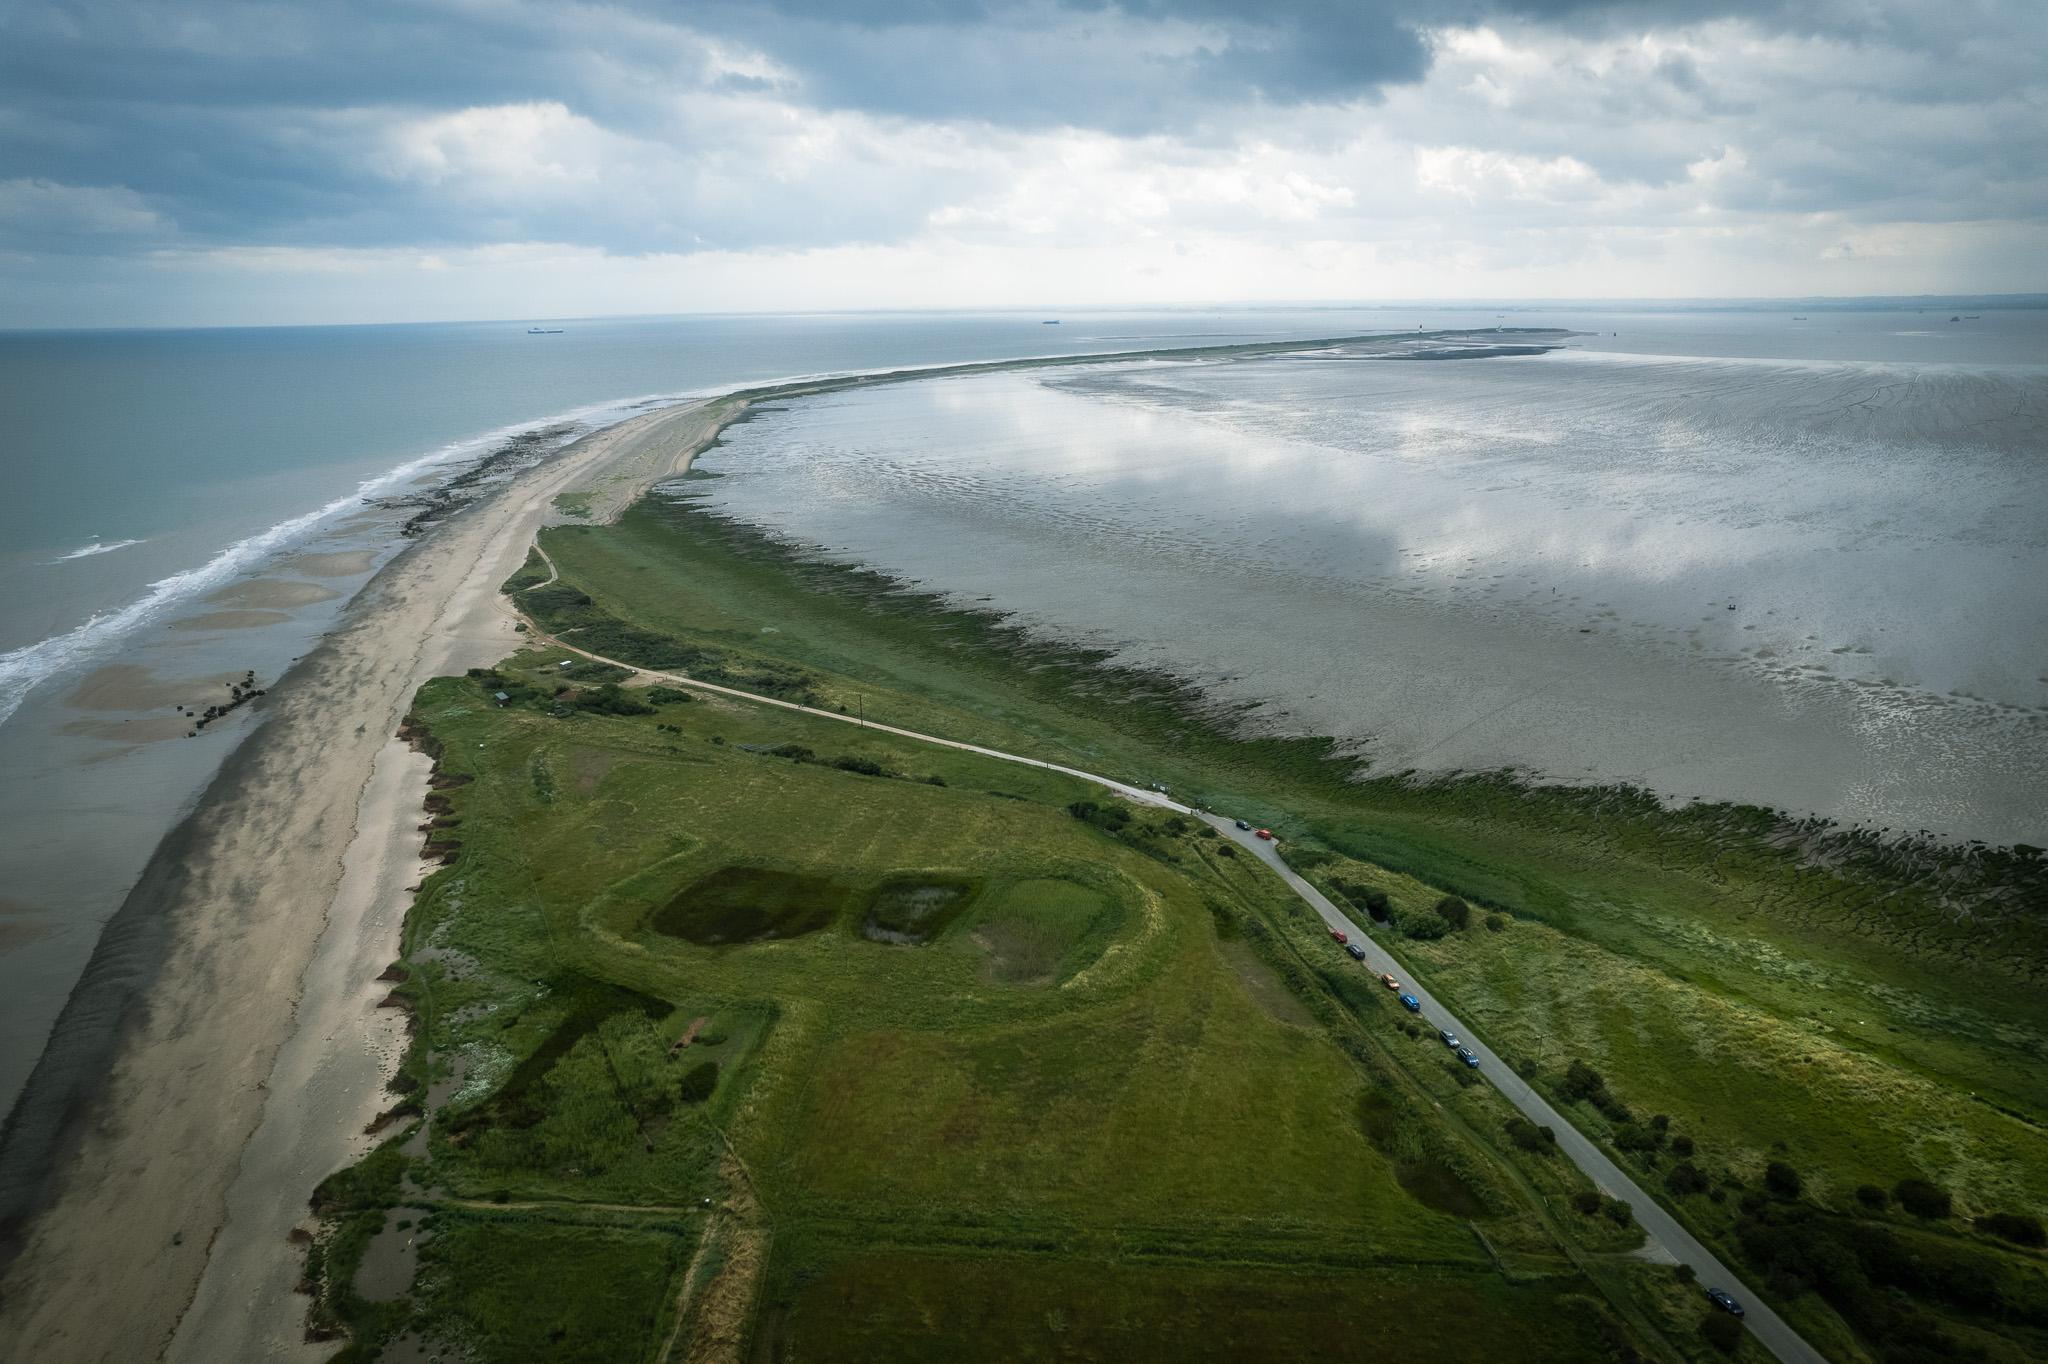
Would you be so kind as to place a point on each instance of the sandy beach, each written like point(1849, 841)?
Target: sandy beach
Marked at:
point(171, 1191)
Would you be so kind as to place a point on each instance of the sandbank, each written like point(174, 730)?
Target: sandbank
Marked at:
point(230, 620)
point(277, 594)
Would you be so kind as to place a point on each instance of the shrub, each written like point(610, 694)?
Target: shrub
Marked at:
point(698, 1082)
point(1528, 1136)
point(1629, 1137)
point(1580, 1081)
point(1111, 818)
point(1922, 1198)
point(1586, 1201)
point(1684, 1273)
point(1873, 1197)
point(1686, 1178)
point(1495, 923)
point(1618, 1212)
point(1423, 927)
point(1782, 1181)
point(1722, 1331)
point(1681, 1146)
point(668, 696)
point(2018, 1228)
point(611, 699)
point(1661, 1123)
point(865, 767)
point(1454, 911)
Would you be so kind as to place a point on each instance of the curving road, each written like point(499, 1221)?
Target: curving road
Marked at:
point(1771, 1330)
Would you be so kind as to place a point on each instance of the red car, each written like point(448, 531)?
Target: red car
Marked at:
point(1337, 936)
point(1266, 834)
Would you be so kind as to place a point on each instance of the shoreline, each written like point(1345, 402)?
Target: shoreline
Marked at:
point(191, 995)
point(138, 1180)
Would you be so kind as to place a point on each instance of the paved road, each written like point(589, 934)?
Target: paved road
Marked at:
point(1771, 1330)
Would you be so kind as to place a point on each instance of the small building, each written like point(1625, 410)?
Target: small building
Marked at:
point(501, 697)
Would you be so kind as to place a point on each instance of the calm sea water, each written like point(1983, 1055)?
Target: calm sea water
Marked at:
point(153, 473)
point(1735, 556)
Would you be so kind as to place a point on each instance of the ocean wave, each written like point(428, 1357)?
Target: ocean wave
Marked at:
point(21, 670)
point(86, 551)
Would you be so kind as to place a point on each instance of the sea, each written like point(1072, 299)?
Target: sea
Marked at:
point(1793, 555)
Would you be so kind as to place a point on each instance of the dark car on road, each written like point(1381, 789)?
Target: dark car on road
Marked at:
point(1465, 1055)
point(1244, 824)
point(1357, 952)
point(1719, 1297)
point(1411, 1004)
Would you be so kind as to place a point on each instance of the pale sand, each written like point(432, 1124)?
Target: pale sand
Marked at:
point(278, 594)
point(337, 564)
point(230, 620)
point(298, 843)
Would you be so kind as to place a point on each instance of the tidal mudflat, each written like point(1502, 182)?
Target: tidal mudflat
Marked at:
point(1813, 584)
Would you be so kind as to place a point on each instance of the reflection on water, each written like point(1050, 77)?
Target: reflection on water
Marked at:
point(1810, 584)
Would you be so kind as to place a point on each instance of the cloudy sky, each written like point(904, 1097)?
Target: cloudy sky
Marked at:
point(212, 161)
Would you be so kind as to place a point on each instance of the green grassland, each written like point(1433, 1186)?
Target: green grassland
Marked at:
point(730, 1017)
point(1864, 1012)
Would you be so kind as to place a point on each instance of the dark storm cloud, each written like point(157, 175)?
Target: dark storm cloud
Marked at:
point(134, 124)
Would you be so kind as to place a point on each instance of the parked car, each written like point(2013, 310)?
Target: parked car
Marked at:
point(1244, 824)
point(1357, 952)
point(1450, 1039)
point(1411, 1004)
point(1719, 1297)
point(1390, 982)
point(1266, 834)
point(1465, 1055)
point(1337, 935)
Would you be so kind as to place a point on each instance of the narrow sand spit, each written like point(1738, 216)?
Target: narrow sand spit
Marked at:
point(175, 1190)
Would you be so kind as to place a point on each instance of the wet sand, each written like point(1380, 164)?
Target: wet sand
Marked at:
point(340, 564)
point(173, 1186)
point(230, 620)
point(277, 594)
point(128, 686)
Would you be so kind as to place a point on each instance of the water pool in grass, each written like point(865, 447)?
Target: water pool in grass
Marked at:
point(750, 904)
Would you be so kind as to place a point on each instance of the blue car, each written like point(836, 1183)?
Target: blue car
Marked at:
point(1465, 1055)
point(1411, 1004)
point(1719, 1297)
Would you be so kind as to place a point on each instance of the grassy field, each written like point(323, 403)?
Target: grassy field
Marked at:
point(1863, 1013)
point(729, 1017)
